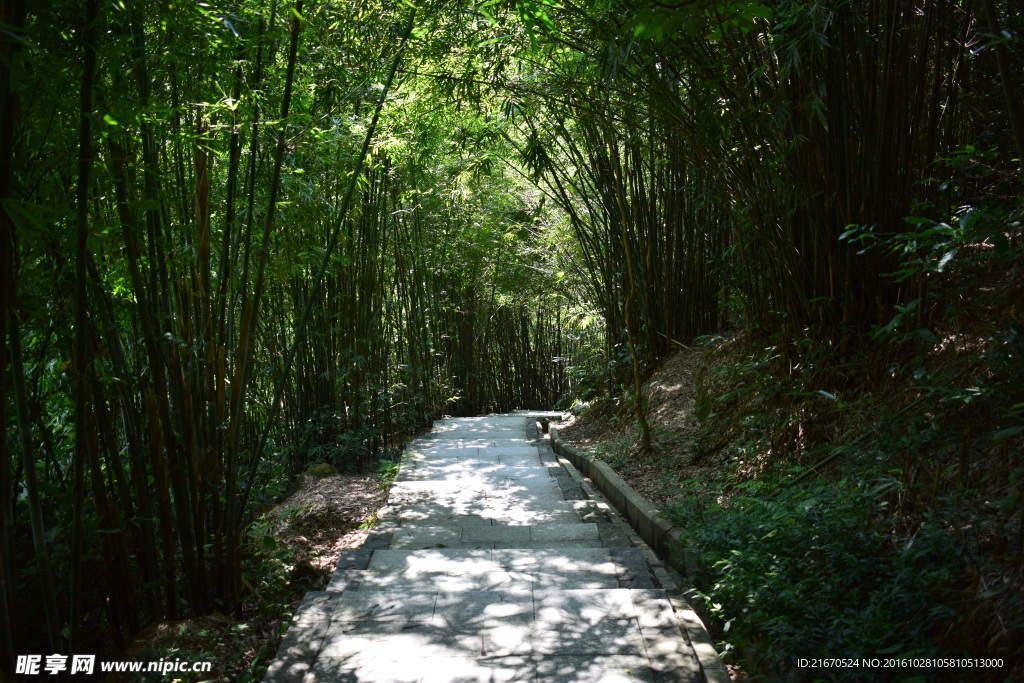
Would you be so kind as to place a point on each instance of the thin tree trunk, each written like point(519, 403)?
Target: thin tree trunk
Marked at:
point(166, 370)
point(641, 415)
point(236, 507)
point(1013, 105)
point(137, 466)
point(13, 19)
point(35, 507)
point(83, 348)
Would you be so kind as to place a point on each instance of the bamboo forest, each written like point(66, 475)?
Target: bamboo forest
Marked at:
point(243, 238)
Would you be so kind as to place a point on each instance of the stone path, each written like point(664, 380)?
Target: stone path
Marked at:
point(492, 563)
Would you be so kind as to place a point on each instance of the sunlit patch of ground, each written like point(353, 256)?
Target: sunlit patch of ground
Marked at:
point(669, 395)
point(325, 516)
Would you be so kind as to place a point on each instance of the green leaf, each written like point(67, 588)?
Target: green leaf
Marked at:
point(30, 217)
point(1009, 503)
point(493, 40)
point(145, 204)
point(946, 258)
point(1001, 244)
point(992, 592)
point(1004, 434)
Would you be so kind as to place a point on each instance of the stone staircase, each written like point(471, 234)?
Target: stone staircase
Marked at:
point(490, 563)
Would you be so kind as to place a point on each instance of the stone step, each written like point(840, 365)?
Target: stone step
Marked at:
point(378, 567)
point(453, 569)
point(406, 537)
point(576, 535)
point(513, 514)
point(429, 441)
point(469, 471)
point(490, 424)
point(478, 491)
point(522, 453)
point(544, 635)
point(513, 480)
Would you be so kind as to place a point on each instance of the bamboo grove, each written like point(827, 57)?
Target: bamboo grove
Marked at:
point(801, 170)
point(243, 236)
point(234, 244)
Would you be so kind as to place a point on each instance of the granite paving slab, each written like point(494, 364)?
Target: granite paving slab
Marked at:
point(490, 563)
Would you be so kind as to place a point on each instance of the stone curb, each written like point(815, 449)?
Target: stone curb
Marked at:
point(660, 534)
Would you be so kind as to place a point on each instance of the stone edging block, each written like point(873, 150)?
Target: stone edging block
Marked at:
point(654, 528)
point(658, 532)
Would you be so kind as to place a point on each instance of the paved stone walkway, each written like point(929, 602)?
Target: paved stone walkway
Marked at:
point(490, 563)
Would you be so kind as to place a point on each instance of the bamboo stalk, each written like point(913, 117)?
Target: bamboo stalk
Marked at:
point(83, 356)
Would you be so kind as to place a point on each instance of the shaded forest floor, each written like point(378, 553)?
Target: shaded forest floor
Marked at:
point(299, 543)
point(607, 429)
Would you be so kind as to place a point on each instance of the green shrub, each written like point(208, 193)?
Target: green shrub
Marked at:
point(823, 571)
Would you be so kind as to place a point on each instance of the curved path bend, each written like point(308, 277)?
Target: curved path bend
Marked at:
point(491, 563)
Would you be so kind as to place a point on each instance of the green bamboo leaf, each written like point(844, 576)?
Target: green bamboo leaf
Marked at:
point(1001, 244)
point(946, 258)
point(491, 41)
point(145, 204)
point(1004, 434)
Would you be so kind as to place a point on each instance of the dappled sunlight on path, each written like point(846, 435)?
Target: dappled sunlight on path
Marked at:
point(489, 564)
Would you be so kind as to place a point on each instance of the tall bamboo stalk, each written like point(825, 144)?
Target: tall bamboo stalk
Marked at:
point(83, 360)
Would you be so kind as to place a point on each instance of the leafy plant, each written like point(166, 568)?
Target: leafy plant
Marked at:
point(818, 570)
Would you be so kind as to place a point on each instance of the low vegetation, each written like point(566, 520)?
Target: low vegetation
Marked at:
point(879, 519)
point(292, 549)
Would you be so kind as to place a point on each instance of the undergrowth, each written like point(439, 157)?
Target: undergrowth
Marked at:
point(905, 538)
point(825, 570)
point(867, 505)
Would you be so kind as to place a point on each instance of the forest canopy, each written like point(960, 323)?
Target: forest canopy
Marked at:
point(240, 237)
